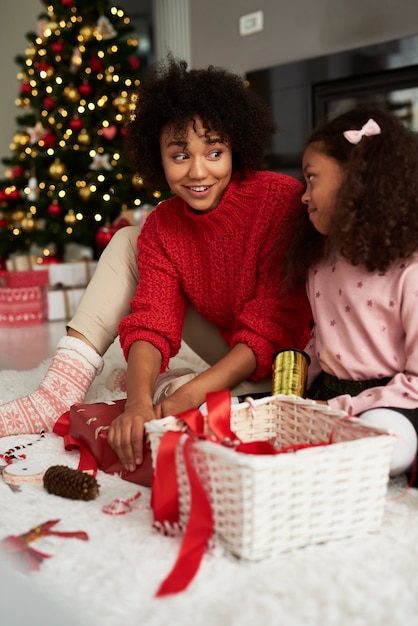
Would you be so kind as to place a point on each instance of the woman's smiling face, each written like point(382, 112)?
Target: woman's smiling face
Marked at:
point(197, 166)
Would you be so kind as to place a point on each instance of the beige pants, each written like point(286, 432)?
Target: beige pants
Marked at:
point(107, 300)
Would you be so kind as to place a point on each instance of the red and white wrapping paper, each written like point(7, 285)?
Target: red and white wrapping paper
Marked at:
point(20, 306)
point(84, 427)
point(26, 278)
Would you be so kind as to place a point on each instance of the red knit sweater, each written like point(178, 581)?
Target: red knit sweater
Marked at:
point(222, 262)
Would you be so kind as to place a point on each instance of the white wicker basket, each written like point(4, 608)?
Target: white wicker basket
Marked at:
point(264, 505)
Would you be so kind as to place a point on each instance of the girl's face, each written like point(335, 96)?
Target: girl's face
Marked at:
point(323, 176)
point(197, 168)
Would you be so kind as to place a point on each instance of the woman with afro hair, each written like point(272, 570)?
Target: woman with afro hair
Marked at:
point(206, 259)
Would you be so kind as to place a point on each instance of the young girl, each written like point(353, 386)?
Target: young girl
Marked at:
point(206, 261)
point(357, 245)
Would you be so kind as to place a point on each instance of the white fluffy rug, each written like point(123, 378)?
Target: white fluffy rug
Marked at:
point(111, 579)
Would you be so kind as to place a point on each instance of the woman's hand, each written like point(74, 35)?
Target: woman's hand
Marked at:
point(127, 433)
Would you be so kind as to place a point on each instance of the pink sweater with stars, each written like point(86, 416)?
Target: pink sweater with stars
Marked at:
point(221, 262)
point(366, 326)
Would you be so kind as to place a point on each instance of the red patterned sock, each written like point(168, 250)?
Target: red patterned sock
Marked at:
point(66, 382)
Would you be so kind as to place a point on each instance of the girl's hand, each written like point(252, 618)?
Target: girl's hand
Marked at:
point(182, 399)
point(127, 432)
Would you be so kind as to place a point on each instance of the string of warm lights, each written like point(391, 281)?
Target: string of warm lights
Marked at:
point(68, 173)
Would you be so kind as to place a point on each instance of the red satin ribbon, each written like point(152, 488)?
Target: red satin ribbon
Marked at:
point(198, 531)
point(87, 462)
point(219, 415)
point(165, 495)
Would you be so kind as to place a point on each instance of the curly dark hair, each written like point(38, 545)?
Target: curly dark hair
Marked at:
point(173, 95)
point(376, 216)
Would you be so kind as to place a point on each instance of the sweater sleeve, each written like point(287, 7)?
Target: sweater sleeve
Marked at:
point(273, 319)
point(159, 305)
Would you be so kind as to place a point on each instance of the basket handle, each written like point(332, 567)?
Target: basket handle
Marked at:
point(219, 421)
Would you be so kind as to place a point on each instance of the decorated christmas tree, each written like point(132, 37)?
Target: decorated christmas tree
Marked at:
point(67, 179)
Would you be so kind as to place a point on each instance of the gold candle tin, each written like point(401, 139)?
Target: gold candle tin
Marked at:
point(290, 372)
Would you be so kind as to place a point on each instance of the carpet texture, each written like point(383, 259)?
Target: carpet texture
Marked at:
point(111, 579)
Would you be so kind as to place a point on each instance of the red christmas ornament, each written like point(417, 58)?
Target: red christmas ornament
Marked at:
point(3, 224)
point(85, 89)
point(17, 171)
point(104, 235)
point(96, 64)
point(67, 3)
point(43, 67)
point(49, 140)
point(54, 209)
point(57, 47)
point(49, 103)
point(134, 62)
point(25, 88)
point(76, 124)
point(11, 196)
point(110, 132)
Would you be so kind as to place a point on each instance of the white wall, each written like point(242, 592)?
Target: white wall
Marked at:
point(293, 30)
point(17, 18)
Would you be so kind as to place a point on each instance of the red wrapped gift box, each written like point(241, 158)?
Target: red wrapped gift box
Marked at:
point(85, 427)
point(29, 278)
point(20, 306)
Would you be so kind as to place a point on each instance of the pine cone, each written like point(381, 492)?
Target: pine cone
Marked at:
point(70, 483)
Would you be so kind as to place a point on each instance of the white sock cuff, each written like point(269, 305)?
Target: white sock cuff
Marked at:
point(77, 345)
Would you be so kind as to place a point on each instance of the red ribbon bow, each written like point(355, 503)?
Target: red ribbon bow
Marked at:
point(16, 546)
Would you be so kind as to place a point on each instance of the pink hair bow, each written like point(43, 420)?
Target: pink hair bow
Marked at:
point(370, 128)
